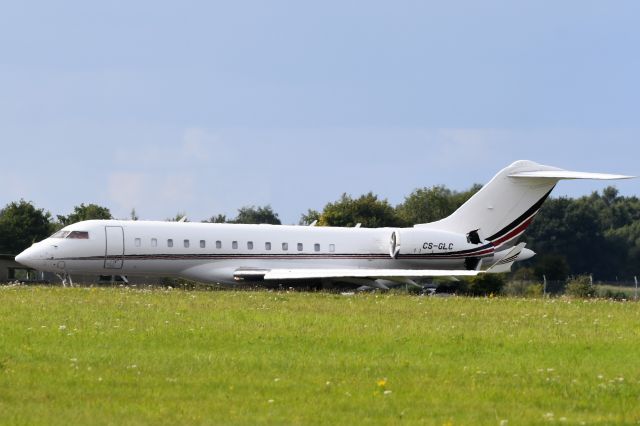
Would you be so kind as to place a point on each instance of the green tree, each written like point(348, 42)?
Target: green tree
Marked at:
point(569, 227)
point(626, 241)
point(552, 266)
point(21, 224)
point(595, 234)
point(429, 204)
point(257, 215)
point(483, 285)
point(221, 218)
point(580, 287)
point(180, 216)
point(249, 215)
point(309, 217)
point(88, 212)
point(523, 274)
point(367, 210)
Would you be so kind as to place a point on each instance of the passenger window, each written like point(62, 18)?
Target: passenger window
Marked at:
point(154, 242)
point(234, 244)
point(218, 244)
point(138, 242)
point(250, 245)
point(332, 248)
point(299, 246)
point(285, 246)
point(169, 242)
point(316, 247)
point(203, 244)
point(267, 246)
point(186, 243)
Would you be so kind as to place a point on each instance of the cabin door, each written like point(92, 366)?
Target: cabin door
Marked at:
point(114, 250)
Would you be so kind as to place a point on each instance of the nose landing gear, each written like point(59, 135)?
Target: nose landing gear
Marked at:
point(66, 279)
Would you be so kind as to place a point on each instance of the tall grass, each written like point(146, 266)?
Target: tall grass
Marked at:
point(123, 356)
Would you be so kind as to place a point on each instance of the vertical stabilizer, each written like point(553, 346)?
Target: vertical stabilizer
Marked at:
point(502, 210)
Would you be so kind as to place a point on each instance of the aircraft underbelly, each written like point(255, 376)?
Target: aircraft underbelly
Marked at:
point(223, 271)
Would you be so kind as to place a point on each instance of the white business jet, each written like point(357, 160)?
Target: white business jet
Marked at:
point(480, 237)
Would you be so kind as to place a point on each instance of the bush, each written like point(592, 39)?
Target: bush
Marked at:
point(534, 290)
point(523, 289)
point(452, 287)
point(613, 294)
point(485, 284)
point(515, 288)
point(580, 287)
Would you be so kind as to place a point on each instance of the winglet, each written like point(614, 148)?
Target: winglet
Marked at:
point(504, 264)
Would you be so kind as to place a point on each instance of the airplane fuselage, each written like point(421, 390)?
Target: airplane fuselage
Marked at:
point(214, 252)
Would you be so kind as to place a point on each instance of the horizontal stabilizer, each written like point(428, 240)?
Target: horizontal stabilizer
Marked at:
point(504, 264)
point(566, 174)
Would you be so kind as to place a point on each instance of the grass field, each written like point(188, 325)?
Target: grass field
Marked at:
point(126, 356)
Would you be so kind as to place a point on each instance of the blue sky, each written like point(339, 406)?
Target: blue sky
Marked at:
point(203, 107)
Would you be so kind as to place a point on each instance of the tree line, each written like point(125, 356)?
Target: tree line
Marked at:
point(597, 234)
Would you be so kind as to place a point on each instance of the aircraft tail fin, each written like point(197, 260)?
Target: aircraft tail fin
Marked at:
point(502, 210)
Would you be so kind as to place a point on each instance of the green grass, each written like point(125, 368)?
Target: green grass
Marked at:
point(619, 292)
point(126, 356)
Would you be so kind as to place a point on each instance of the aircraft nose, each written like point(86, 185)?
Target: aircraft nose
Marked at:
point(27, 257)
point(20, 257)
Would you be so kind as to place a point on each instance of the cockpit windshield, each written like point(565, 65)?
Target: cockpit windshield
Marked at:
point(78, 235)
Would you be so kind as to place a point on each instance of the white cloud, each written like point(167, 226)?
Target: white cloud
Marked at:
point(176, 188)
point(152, 194)
point(194, 146)
point(162, 178)
point(127, 190)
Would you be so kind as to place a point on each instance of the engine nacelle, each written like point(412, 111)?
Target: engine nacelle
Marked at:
point(412, 241)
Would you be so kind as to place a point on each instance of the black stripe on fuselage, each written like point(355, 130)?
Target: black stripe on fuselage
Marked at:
point(521, 218)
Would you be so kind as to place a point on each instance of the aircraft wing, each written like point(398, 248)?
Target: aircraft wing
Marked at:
point(355, 274)
point(358, 277)
point(301, 274)
point(502, 265)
